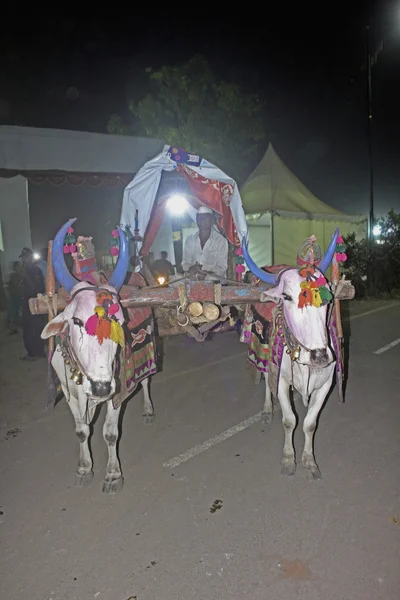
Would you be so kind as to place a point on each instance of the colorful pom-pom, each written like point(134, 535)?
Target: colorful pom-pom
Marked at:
point(100, 312)
point(113, 308)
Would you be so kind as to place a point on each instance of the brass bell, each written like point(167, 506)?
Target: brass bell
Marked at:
point(76, 377)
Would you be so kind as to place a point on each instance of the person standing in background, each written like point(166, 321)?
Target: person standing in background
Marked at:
point(14, 296)
point(32, 284)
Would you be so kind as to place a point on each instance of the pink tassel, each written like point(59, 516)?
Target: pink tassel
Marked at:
point(114, 233)
point(72, 248)
point(344, 257)
point(70, 230)
point(91, 325)
point(339, 240)
point(320, 281)
point(66, 249)
point(239, 252)
point(113, 309)
point(240, 268)
point(114, 251)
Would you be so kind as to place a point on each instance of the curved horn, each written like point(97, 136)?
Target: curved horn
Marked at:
point(263, 275)
point(327, 259)
point(62, 274)
point(118, 276)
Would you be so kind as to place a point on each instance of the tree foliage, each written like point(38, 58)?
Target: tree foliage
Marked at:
point(190, 108)
point(383, 253)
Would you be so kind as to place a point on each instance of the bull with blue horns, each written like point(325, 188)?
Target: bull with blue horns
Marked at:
point(302, 350)
point(90, 339)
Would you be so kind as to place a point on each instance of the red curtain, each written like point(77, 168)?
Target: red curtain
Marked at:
point(216, 195)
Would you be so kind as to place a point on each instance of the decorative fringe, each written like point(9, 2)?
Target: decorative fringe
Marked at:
point(313, 290)
point(340, 250)
point(104, 325)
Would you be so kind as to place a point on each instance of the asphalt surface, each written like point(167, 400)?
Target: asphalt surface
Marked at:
point(273, 538)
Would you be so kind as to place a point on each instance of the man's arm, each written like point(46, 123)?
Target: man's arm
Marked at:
point(222, 258)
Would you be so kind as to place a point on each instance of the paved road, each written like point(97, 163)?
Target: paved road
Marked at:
point(273, 538)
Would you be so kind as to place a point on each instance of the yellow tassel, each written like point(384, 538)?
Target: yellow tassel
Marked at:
point(317, 300)
point(117, 333)
point(305, 285)
point(100, 312)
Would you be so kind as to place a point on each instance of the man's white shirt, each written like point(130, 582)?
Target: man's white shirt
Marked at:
point(213, 257)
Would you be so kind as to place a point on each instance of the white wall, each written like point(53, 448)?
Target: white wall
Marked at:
point(14, 217)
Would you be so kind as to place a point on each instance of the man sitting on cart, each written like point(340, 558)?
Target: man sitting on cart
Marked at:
point(205, 253)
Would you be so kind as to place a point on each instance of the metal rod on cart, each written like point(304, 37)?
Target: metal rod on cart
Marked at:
point(50, 286)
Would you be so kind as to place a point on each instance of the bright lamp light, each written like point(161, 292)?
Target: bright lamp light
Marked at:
point(36, 256)
point(377, 230)
point(177, 204)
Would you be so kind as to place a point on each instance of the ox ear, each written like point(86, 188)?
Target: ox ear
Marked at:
point(54, 327)
point(274, 294)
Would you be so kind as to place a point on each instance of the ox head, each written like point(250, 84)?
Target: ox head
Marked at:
point(304, 294)
point(92, 321)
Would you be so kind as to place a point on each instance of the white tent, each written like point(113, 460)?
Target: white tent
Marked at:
point(281, 212)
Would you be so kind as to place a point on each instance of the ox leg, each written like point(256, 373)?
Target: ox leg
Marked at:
point(148, 408)
point(316, 401)
point(113, 481)
point(289, 424)
point(84, 473)
point(267, 412)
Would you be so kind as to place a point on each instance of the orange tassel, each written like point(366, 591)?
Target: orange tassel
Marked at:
point(103, 330)
point(305, 298)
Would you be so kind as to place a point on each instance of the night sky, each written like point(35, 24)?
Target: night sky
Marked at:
point(74, 72)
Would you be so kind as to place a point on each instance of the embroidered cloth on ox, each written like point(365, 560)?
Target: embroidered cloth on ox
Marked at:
point(138, 358)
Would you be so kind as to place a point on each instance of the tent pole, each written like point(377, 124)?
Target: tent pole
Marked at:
point(272, 239)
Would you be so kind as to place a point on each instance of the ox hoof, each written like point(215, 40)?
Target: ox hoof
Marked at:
point(266, 417)
point(148, 419)
point(288, 469)
point(114, 486)
point(314, 473)
point(84, 480)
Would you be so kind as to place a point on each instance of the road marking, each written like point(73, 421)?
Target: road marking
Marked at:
point(387, 347)
point(196, 450)
point(374, 310)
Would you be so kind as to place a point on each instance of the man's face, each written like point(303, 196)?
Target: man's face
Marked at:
point(27, 258)
point(205, 222)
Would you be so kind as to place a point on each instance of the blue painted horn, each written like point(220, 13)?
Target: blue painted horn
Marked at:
point(118, 277)
point(62, 274)
point(327, 259)
point(67, 280)
point(270, 278)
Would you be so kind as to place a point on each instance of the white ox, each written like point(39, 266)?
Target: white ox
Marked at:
point(310, 370)
point(86, 367)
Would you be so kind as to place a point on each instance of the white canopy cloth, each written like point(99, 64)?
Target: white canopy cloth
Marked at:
point(141, 192)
